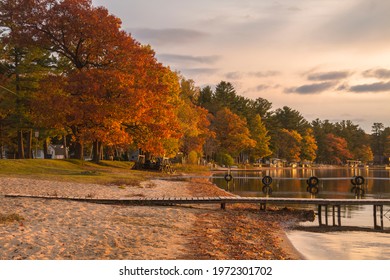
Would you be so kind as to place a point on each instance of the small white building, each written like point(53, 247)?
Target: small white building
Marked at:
point(56, 151)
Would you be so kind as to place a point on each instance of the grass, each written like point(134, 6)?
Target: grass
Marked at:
point(107, 172)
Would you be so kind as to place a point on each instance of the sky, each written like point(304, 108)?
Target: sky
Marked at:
point(328, 59)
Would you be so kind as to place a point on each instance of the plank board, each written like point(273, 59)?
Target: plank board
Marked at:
point(211, 200)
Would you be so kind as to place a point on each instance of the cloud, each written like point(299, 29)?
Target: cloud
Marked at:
point(294, 9)
point(167, 36)
point(326, 76)
point(176, 58)
point(264, 74)
point(375, 87)
point(260, 74)
point(199, 71)
point(343, 87)
point(377, 73)
point(311, 89)
point(234, 75)
point(262, 87)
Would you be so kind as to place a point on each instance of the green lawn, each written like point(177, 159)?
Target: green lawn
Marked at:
point(107, 172)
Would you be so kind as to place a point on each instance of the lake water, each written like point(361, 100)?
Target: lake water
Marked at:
point(358, 241)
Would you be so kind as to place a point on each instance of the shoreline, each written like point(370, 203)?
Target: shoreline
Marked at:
point(79, 230)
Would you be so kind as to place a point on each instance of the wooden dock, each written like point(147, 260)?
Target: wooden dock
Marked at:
point(322, 204)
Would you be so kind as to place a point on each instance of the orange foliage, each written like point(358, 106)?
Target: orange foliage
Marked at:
point(114, 91)
point(337, 149)
point(232, 134)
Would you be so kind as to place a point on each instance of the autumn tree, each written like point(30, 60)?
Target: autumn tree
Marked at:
point(289, 145)
point(357, 139)
point(232, 134)
point(58, 27)
point(155, 120)
point(309, 146)
point(320, 130)
point(336, 149)
point(113, 90)
point(260, 135)
point(364, 154)
point(193, 119)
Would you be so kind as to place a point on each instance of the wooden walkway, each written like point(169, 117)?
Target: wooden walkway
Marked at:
point(322, 204)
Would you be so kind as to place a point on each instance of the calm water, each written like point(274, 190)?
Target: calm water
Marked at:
point(334, 183)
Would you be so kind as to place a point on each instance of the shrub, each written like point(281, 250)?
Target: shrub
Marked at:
point(193, 157)
point(225, 159)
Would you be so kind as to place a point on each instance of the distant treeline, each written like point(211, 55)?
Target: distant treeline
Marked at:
point(70, 75)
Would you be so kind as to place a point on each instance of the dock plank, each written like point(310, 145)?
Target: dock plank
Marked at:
point(222, 199)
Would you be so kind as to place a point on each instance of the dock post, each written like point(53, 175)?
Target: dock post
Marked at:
point(319, 215)
point(381, 213)
point(376, 226)
point(374, 213)
point(333, 215)
point(339, 214)
point(326, 214)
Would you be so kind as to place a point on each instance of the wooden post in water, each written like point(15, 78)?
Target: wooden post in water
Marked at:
point(381, 213)
point(326, 214)
point(339, 214)
point(333, 215)
point(375, 216)
point(319, 215)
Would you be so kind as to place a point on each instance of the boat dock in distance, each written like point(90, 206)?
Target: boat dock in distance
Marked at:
point(322, 204)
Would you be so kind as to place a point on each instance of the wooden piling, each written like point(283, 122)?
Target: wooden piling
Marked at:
point(375, 213)
point(326, 215)
point(333, 215)
point(319, 215)
point(381, 214)
point(339, 214)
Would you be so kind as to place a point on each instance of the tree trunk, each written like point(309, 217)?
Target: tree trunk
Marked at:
point(65, 148)
point(96, 156)
point(45, 148)
point(29, 144)
point(20, 145)
point(79, 151)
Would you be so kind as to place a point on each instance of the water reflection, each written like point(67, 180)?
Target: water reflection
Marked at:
point(334, 183)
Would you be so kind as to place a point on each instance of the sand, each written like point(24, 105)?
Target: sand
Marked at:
point(62, 230)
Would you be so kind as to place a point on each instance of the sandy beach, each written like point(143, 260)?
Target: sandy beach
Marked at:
point(41, 229)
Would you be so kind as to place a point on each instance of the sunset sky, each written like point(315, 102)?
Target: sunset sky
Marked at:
point(328, 59)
